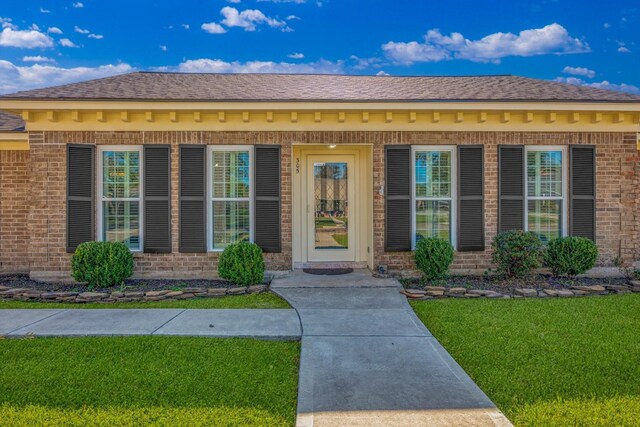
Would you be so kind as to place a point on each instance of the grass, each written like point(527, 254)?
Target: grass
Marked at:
point(147, 380)
point(342, 239)
point(551, 362)
point(263, 300)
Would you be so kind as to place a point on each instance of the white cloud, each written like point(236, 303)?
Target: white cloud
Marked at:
point(163, 48)
point(14, 78)
point(186, 26)
point(296, 55)
point(292, 18)
point(248, 19)
point(219, 66)
point(78, 5)
point(551, 39)
point(67, 43)
point(96, 36)
point(579, 71)
point(623, 49)
point(606, 26)
point(43, 10)
point(213, 28)
point(34, 27)
point(382, 73)
point(233, 1)
point(80, 30)
point(6, 23)
point(37, 59)
point(54, 30)
point(363, 63)
point(622, 87)
point(27, 39)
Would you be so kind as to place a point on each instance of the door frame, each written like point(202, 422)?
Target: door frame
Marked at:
point(363, 167)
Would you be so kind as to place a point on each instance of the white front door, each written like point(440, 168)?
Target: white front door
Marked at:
point(330, 208)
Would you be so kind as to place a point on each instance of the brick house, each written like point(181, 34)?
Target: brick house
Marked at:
point(316, 169)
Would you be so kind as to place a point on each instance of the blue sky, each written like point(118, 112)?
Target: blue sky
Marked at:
point(49, 42)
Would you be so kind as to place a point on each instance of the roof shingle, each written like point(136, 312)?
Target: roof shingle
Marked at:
point(308, 87)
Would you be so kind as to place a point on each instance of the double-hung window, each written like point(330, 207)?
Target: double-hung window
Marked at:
point(230, 195)
point(546, 192)
point(120, 190)
point(433, 193)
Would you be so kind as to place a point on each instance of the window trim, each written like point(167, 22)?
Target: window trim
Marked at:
point(565, 184)
point(100, 192)
point(209, 190)
point(453, 198)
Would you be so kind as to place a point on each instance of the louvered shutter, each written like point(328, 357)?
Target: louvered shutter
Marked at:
point(511, 187)
point(397, 215)
point(157, 198)
point(193, 236)
point(80, 196)
point(267, 198)
point(470, 198)
point(583, 191)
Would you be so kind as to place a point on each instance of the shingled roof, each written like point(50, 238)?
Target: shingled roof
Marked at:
point(337, 88)
point(11, 122)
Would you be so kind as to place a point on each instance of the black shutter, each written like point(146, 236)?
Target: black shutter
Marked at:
point(80, 203)
point(397, 206)
point(470, 198)
point(583, 191)
point(511, 187)
point(157, 198)
point(267, 198)
point(193, 236)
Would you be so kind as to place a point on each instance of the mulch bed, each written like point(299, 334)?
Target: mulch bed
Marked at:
point(141, 285)
point(499, 284)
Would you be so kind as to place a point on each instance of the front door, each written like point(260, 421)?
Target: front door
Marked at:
point(331, 208)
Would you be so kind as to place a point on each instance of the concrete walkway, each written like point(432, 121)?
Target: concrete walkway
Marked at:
point(250, 323)
point(367, 360)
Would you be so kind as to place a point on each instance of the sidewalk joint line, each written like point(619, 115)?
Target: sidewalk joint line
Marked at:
point(37, 321)
point(178, 314)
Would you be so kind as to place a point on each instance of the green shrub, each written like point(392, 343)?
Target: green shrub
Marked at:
point(570, 255)
point(102, 264)
point(517, 253)
point(433, 257)
point(242, 264)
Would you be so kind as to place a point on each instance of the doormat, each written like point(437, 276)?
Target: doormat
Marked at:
point(328, 271)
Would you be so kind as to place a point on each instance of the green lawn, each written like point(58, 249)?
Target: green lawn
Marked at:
point(263, 300)
point(547, 362)
point(147, 380)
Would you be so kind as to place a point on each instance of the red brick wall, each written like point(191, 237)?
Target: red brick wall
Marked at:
point(617, 197)
point(14, 211)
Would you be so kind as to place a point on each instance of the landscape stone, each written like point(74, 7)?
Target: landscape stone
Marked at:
point(435, 293)
point(434, 288)
point(174, 294)
point(185, 296)
point(634, 283)
point(237, 291)
point(551, 292)
point(591, 288)
point(618, 287)
point(92, 295)
point(565, 293)
point(156, 293)
point(257, 289)
point(578, 292)
point(457, 290)
point(468, 295)
point(217, 292)
point(134, 294)
point(417, 291)
point(194, 290)
point(526, 292)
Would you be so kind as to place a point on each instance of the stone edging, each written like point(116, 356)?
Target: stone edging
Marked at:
point(24, 294)
point(431, 292)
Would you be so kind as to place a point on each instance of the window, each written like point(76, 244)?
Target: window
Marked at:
point(120, 203)
point(545, 192)
point(433, 193)
point(230, 195)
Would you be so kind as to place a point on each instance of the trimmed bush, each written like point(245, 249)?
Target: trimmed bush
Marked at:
point(102, 264)
point(517, 253)
point(433, 257)
point(242, 264)
point(569, 256)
